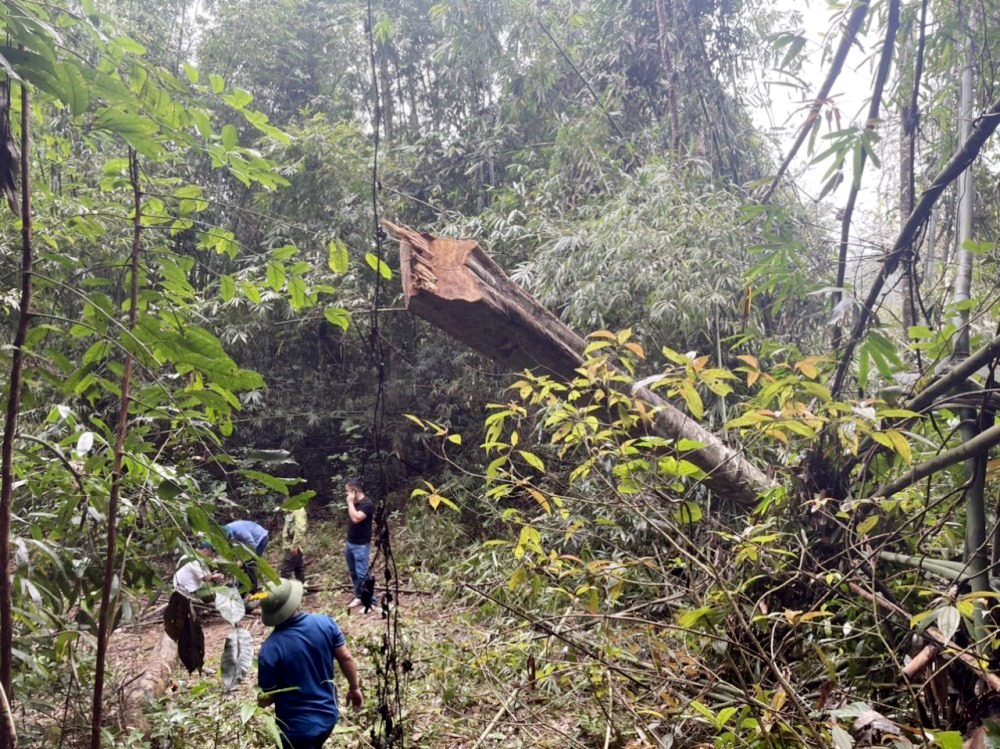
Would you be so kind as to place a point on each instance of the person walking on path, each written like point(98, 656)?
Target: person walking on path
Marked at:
point(295, 668)
point(360, 510)
point(252, 536)
point(293, 537)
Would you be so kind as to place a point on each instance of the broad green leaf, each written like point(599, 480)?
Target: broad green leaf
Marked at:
point(376, 264)
point(191, 72)
point(900, 444)
point(276, 275)
point(227, 287)
point(866, 525)
point(251, 292)
point(285, 252)
point(688, 513)
point(338, 316)
point(692, 399)
point(129, 45)
point(948, 739)
point(217, 83)
point(533, 460)
point(298, 501)
point(298, 296)
point(229, 137)
point(339, 260)
point(271, 482)
point(238, 99)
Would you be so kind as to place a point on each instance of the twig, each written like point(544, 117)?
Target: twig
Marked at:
point(935, 636)
point(975, 446)
point(8, 718)
point(503, 708)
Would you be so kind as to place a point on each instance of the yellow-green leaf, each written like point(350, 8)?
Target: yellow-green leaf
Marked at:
point(339, 259)
point(533, 460)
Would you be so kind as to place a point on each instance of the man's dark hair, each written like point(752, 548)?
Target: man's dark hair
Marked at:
point(356, 485)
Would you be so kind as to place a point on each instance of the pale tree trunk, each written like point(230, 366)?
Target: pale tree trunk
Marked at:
point(668, 42)
point(975, 468)
point(907, 143)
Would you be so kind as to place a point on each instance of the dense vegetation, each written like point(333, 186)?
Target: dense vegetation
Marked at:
point(204, 320)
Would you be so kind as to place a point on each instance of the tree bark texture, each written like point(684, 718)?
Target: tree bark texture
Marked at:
point(454, 285)
point(150, 685)
point(7, 735)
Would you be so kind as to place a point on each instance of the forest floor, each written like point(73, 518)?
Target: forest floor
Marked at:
point(451, 698)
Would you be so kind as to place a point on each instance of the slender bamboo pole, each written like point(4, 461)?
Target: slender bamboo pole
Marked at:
point(109, 602)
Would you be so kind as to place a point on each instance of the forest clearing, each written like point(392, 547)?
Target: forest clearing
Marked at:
point(646, 349)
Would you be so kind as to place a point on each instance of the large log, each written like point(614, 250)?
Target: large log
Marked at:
point(456, 286)
point(151, 684)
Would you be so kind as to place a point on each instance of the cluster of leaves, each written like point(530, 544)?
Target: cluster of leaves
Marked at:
point(745, 629)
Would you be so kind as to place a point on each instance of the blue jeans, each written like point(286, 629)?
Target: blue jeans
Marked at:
point(357, 564)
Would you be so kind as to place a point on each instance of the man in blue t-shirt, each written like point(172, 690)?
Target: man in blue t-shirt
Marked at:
point(295, 668)
point(252, 536)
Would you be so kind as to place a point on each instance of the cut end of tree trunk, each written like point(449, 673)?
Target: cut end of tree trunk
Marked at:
point(456, 286)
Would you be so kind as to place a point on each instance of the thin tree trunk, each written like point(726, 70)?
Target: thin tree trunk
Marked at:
point(109, 603)
point(846, 42)
point(975, 467)
point(7, 737)
point(907, 152)
point(667, 40)
point(873, 114)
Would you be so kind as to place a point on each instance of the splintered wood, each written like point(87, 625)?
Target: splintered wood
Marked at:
point(456, 286)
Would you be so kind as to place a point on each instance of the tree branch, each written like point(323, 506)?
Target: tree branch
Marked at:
point(981, 131)
point(846, 41)
point(976, 446)
point(873, 113)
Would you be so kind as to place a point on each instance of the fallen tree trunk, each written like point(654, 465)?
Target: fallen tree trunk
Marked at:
point(150, 684)
point(454, 285)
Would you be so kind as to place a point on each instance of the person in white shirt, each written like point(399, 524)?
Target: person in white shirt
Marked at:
point(191, 578)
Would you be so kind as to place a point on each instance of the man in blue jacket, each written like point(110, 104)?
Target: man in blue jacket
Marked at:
point(252, 536)
point(295, 668)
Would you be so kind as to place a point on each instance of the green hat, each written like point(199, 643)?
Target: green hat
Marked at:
point(281, 602)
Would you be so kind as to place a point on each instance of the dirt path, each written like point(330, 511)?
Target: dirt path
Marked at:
point(327, 592)
point(466, 688)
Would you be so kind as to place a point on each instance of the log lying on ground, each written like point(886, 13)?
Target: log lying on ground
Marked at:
point(150, 684)
point(456, 286)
